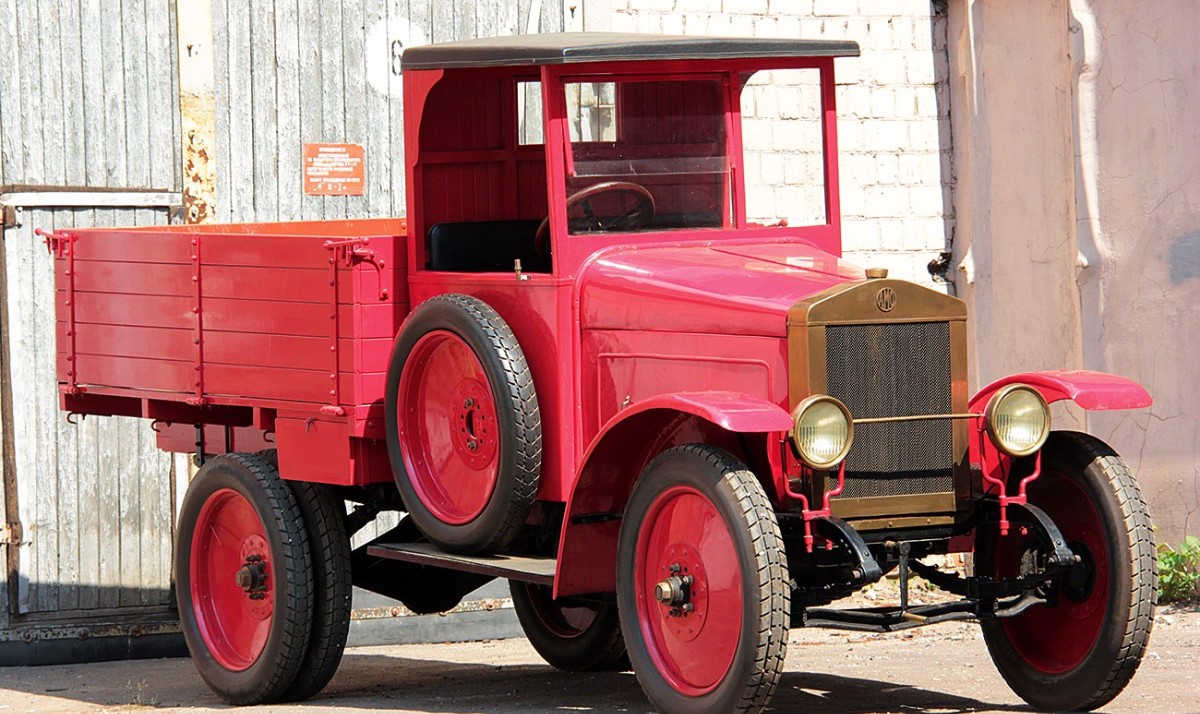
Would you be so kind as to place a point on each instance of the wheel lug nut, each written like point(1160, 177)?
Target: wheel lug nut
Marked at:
point(472, 445)
point(688, 608)
point(468, 403)
point(674, 612)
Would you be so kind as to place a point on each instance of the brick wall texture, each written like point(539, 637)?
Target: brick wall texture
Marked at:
point(893, 108)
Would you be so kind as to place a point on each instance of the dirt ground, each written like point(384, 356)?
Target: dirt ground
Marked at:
point(939, 670)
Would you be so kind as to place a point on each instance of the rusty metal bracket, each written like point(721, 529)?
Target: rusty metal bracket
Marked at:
point(10, 217)
point(11, 534)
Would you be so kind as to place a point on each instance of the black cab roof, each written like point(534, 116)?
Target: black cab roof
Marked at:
point(572, 47)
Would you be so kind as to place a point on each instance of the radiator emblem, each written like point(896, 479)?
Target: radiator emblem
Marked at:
point(885, 300)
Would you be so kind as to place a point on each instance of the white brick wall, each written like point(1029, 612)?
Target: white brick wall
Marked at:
point(893, 107)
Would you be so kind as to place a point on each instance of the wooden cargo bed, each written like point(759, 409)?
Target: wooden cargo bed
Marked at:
point(266, 327)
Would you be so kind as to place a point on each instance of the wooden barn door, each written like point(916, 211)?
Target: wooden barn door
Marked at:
point(91, 503)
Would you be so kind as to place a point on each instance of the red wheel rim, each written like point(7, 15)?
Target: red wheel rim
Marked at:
point(565, 621)
point(682, 535)
point(448, 431)
point(1057, 639)
point(232, 580)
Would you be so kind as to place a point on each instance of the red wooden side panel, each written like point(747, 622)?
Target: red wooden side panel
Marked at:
point(274, 320)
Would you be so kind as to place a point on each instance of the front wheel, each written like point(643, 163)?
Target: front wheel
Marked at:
point(244, 579)
point(1079, 652)
point(702, 584)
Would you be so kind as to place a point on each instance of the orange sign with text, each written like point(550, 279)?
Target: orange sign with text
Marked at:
point(334, 170)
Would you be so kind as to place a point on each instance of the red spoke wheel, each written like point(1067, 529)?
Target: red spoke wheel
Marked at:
point(1079, 652)
point(243, 579)
point(702, 584)
point(463, 425)
point(574, 634)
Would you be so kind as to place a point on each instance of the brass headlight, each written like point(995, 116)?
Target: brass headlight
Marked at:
point(822, 431)
point(1018, 420)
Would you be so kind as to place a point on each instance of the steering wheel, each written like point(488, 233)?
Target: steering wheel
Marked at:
point(635, 217)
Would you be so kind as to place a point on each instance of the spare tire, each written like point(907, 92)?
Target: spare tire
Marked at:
point(464, 430)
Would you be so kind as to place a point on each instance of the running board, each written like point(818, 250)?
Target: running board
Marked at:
point(529, 569)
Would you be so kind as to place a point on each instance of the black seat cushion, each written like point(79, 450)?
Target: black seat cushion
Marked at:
point(485, 247)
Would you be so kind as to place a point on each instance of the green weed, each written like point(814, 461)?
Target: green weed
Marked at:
point(1179, 571)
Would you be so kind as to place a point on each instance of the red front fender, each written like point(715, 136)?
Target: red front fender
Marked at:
point(1094, 391)
point(588, 547)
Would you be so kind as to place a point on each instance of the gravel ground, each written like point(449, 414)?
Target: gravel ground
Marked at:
point(939, 670)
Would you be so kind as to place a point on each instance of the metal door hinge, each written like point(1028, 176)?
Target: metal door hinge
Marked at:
point(10, 534)
point(10, 217)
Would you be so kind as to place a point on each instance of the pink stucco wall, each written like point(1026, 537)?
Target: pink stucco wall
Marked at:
point(1077, 164)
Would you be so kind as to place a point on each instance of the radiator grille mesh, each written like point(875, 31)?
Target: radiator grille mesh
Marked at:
point(886, 370)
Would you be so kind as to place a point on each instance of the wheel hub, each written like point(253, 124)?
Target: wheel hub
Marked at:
point(675, 591)
point(254, 577)
point(682, 593)
point(475, 417)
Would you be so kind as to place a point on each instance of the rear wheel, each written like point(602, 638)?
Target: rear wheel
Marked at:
point(324, 522)
point(463, 426)
point(244, 579)
point(574, 635)
point(702, 584)
point(1079, 652)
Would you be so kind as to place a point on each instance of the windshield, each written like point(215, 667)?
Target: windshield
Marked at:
point(647, 155)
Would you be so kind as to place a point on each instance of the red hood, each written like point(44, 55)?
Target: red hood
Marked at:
point(739, 289)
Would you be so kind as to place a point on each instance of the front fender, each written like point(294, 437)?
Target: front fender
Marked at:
point(627, 443)
point(1093, 391)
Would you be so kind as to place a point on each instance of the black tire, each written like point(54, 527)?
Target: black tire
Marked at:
point(242, 481)
point(324, 521)
point(1080, 668)
point(734, 495)
point(580, 636)
point(516, 443)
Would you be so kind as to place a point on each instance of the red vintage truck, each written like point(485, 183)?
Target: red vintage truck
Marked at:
point(579, 365)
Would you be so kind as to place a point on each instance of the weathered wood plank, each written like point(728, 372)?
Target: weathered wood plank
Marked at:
point(312, 87)
point(287, 88)
point(115, 124)
point(223, 211)
point(354, 88)
point(129, 506)
point(265, 107)
point(137, 79)
point(29, 132)
point(18, 247)
point(44, 393)
point(74, 172)
point(240, 169)
point(92, 99)
point(50, 86)
point(333, 94)
point(11, 133)
point(162, 96)
point(377, 136)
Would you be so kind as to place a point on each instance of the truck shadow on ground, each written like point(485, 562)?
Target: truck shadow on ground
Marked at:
point(375, 681)
point(387, 682)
